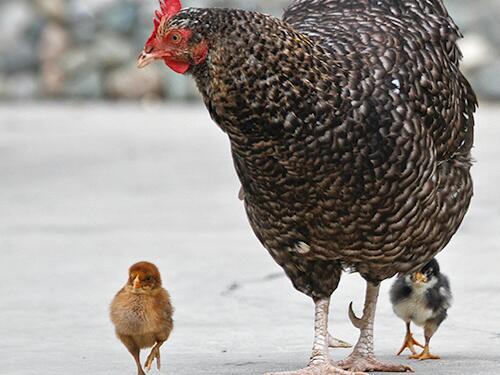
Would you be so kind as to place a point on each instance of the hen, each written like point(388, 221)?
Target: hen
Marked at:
point(351, 128)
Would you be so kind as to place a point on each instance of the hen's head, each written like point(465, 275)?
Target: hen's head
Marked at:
point(174, 43)
point(143, 277)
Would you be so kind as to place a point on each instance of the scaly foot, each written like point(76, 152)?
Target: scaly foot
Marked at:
point(424, 355)
point(318, 369)
point(409, 343)
point(369, 364)
point(155, 353)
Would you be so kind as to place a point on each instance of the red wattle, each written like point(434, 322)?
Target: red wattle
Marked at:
point(177, 66)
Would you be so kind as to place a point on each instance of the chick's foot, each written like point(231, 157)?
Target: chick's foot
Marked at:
point(409, 343)
point(426, 354)
point(155, 353)
point(318, 369)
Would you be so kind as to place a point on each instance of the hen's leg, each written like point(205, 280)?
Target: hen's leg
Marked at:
point(319, 363)
point(134, 350)
point(409, 342)
point(336, 343)
point(362, 358)
point(155, 353)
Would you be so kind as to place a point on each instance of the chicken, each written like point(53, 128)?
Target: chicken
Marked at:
point(142, 313)
point(424, 299)
point(350, 127)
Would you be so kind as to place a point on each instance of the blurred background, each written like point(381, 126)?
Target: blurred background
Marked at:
point(86, 49)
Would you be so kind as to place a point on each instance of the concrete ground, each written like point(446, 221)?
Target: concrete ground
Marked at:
point(87, 190)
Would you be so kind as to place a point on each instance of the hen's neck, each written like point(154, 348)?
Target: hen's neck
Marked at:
point(254, 61)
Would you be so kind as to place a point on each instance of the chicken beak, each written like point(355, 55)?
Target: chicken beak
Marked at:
point(145, 59)
point(137, 282)
point(420, 277)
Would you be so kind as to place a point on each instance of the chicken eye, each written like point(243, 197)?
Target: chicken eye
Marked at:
point(175, 38)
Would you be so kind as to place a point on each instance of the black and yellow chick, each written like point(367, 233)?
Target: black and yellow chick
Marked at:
point(423, 298)
point(142, 313)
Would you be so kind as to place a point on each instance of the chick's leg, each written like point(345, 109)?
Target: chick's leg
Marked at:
point(134, 350)
point(363, 358)
point(319, 363)
point(409, 341)
point(155, 353)
point(429, 330)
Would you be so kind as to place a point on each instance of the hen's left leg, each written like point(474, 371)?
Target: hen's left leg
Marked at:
point(363, 358)
point(319, 363)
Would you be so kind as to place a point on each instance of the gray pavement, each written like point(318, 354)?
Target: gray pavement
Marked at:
point(86, 190)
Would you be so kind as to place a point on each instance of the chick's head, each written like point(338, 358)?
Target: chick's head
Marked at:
point(143, 277)
point(427, 275)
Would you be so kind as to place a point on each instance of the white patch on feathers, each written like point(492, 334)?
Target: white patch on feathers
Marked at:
point(301, 248)
point(397, 86)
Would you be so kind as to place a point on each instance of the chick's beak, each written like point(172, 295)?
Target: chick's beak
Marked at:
point(420, 277)
point(137, 282)
point(145, 59)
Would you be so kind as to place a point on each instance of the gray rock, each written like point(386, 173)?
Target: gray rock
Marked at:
point(51, 79)
point(54, 40)
point(120, 17)
point(55, 9)
point(21, 86)
point(15, 17)
point(34, 30)
point(111, 50)
point(84, 31)
point(21, 58)
point(3, 90)
point(87, 85)
point(131, 83)
point(76, 60)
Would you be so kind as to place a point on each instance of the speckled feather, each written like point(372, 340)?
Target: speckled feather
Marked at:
point(350, 126)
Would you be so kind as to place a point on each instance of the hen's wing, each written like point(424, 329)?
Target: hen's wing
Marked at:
point(406, 46)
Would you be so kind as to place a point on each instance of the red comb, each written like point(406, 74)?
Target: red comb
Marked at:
point(168, 8)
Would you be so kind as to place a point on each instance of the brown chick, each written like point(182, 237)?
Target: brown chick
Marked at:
point(142, 313)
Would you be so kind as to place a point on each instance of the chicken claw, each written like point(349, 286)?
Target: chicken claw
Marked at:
point(318, 369)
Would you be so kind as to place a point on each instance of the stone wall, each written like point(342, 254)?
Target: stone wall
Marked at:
point(86, 49)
